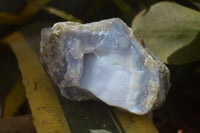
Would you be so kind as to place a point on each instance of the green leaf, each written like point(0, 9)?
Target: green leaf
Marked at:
point(99, 131)
point(171, 31)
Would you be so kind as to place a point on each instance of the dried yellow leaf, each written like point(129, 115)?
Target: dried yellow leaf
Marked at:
point(30, 10)
point(45, 106)
point(14, 99)
point(135, 123)
point(131, 123)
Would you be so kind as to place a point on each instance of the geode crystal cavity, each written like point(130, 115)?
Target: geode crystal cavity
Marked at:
point(104, 60)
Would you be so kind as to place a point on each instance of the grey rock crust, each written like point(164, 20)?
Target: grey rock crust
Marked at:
point(104, 60)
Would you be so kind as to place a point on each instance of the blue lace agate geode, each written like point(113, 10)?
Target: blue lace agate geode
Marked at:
point(104, 60)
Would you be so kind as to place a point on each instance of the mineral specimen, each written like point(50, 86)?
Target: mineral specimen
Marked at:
point(104, 60)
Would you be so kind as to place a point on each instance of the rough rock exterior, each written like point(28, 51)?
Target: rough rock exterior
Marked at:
point(104, 60)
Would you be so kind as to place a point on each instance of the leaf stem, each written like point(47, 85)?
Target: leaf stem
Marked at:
point(62, 14)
